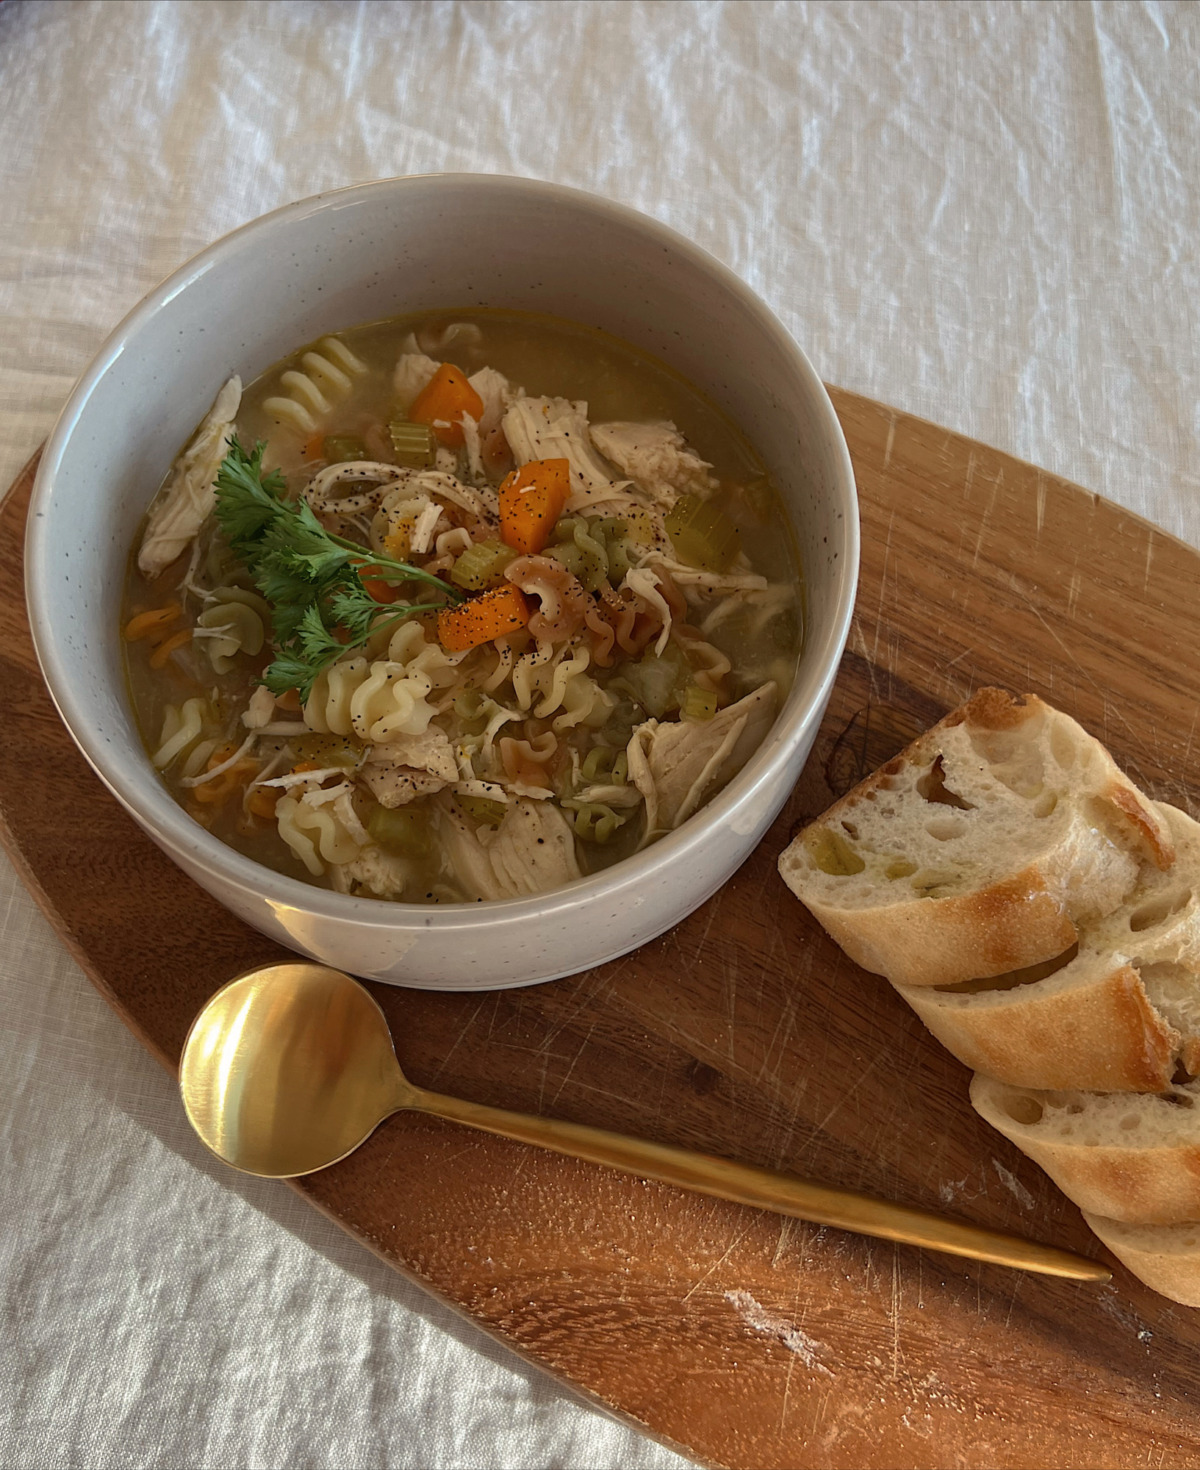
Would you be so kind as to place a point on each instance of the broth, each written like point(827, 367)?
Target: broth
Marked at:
point(663, 618)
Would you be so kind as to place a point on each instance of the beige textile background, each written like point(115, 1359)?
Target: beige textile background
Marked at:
point(983, 213)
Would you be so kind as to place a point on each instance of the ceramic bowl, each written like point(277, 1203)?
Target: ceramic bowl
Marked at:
point(374, 251)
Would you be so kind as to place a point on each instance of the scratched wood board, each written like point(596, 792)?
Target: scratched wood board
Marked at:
point(741, 1338)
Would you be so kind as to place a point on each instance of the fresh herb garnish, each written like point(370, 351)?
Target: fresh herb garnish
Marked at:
point(320, 608)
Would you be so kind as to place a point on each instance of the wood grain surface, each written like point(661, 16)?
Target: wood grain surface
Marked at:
point(744, 1339)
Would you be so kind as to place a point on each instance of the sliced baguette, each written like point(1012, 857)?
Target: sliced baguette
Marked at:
point(1117, 1017)
point(979, 849)
point(1165, 1257)
point(1128, 1156)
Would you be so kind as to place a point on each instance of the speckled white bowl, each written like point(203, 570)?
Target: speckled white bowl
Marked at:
point(374, 251)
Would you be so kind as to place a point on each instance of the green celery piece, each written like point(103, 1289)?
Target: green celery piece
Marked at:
point(702, 534)
point(483, 809)
point(413, 444)
point(481, 565)
point(327, 750)
point(343, 448)
point(697, 703)
point(400, 830)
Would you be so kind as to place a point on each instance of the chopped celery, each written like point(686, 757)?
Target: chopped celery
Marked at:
point(483, 809)
point(327, 750)
point(342, 448)
point(481, 565)
point(400, 830)
point(701, 533)
point(413, 444)
point(697, 703)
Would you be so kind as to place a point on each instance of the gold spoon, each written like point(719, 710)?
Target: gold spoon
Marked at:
point(289, 1068)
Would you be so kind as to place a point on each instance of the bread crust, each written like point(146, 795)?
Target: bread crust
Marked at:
point(1165, 1257)
point(1156, 1185)
point(941, 941)
point(1100, 1034)
point(1008, 922)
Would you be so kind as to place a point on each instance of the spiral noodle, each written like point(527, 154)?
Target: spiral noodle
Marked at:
point(181, 727)
point(236, 621)
point(374, 701)
point(526, 762)
point(449, 546)
point(409, 646)
point(321, 827)
point(622, 622)
point(312, 394)
point(709, 664)
point(563, 604)
point(594, 821)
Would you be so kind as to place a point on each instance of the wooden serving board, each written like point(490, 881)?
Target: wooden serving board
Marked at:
point(744, 1339)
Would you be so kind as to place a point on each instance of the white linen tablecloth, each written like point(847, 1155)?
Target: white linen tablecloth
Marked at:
point(982, 213)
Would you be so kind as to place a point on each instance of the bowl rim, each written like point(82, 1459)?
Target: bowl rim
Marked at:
point(170, 825)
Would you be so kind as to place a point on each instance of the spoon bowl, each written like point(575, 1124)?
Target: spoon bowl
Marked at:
point(289, 1068)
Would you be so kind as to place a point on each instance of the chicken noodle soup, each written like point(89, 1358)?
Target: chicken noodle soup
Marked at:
point(452, 610)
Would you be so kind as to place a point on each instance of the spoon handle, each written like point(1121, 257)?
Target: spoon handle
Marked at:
point(764, 1188)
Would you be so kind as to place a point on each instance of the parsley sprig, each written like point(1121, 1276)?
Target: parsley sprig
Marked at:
point(310, 577)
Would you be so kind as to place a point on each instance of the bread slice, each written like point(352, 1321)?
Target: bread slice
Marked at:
point(979, 849)
point(1118, 1013)
point(1125, 1155)
point(1165, 1257)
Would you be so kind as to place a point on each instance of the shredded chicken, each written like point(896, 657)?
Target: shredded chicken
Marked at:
point(677, 766)
point(696, 584)
point(413, 371)
point(187, 501)
point(555, 428)
point(384, 874)
point(532, 851)
point(656, 458)
point(410, 766)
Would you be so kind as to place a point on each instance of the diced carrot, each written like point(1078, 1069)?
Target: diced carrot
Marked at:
point(314, 448)
point(261, 801)
point(288, 700)
point(531, 500)
point(167, 647)
point(142, 625)
point(304, 766)
point(443, 401)
point(218, 791)
point(376, 588)
point(493, 614)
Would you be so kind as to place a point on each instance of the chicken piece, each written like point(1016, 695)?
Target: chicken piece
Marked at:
point(555, 428)
point(400, 770)
point(187, 501)
point(697, 584)
point(656, 458)
point(385, 874)
point(496, 392)
point(413, 370)
point(678, 765)
point(532, 851)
